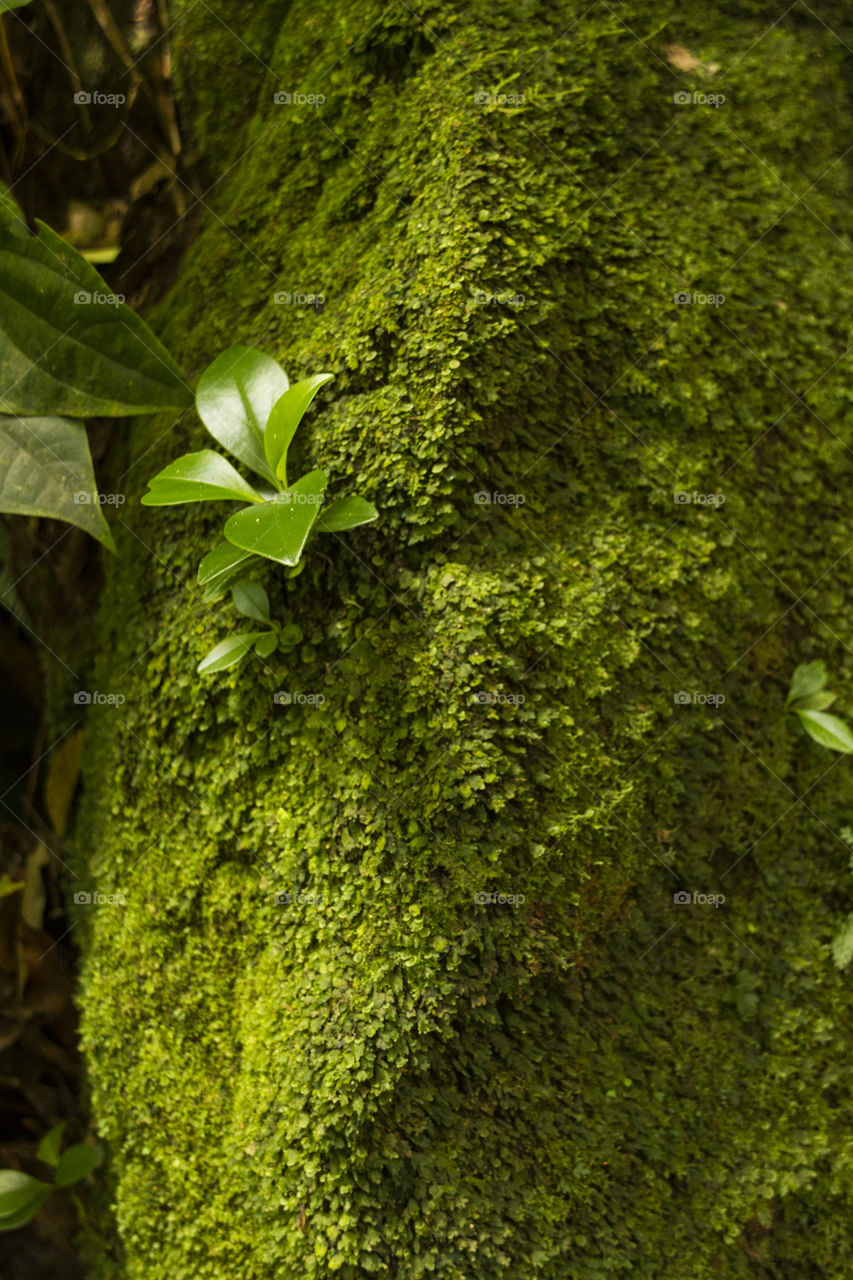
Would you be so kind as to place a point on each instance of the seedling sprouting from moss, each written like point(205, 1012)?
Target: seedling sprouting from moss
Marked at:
point(21, 1196)
point(249, 407)
point(808, 698)
point(250, 599)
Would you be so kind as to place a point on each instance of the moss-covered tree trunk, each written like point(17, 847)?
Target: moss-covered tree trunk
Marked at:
point(499, 204)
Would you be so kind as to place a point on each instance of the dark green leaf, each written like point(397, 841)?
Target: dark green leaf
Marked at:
point(17, 1190)
point(14, 1220)
point(48, 1148)
point(285, 417)
point(828, 730)
point(251, 600)
point(229, 652)
point(198, 477)
point(234, 398)
point(346, 513)
point(46, 470)
point(279, 529)
point(808, 678)
point(76, 1162)
point(60, 354)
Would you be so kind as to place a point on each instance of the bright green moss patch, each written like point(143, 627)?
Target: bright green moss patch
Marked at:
point(388, 1077)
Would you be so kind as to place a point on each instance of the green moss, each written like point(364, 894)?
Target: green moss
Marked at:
point(396, 1079)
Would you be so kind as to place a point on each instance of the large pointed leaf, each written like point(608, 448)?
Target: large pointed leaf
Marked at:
point(234, 398)
point(46, 470)
point(198, 477)
point(808, 678)
point(229, 652)
point(284, 418)
point(279, 529)
point(828, 730)
point(346, 513)
point(17, 1190)
point(64, 349)
point(76, 1162)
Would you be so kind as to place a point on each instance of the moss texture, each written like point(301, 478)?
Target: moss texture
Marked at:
point(397, 1079)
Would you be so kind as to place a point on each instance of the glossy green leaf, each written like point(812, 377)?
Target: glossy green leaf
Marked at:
point(808, 678)
point(48, 1148)
point(66, 345)
point(279, 529)
point(346, 513)
point(234, 398)
point(251, 600)
point(828, 730)
point(17, 1190)
point(6, 5)
point(76, 1162)
point(815, 701)
point(229, 652)
point(198, 477)
point(220, 567)
point(46, 470)
point(284, 418)
point(11, 1221)
point(267, 644)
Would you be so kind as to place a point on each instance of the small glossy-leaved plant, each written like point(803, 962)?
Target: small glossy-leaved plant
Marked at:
point(250, 599)
point(808, 698)
point(249, 407)
point(21, 1196)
